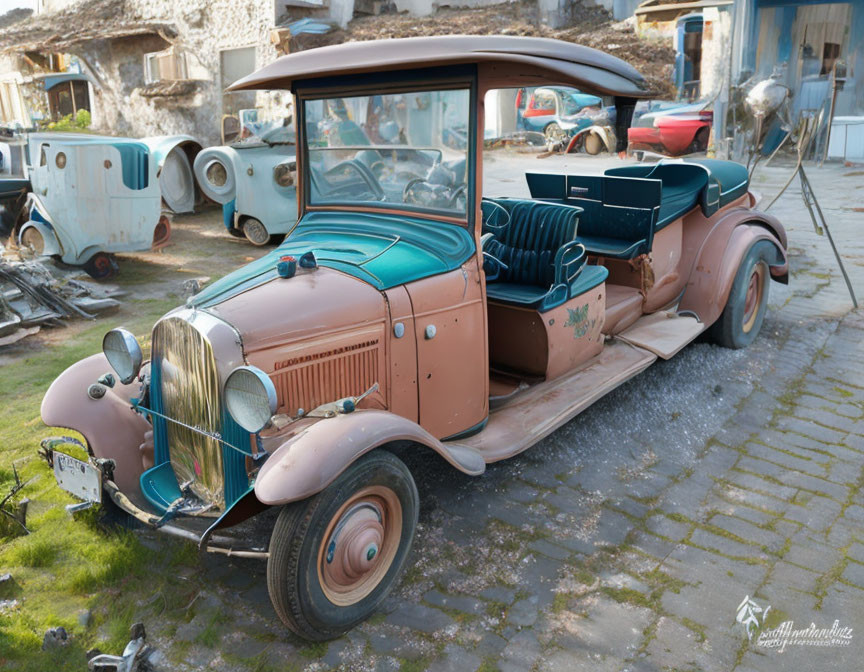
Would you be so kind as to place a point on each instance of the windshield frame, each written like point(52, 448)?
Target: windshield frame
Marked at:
point(405, 82)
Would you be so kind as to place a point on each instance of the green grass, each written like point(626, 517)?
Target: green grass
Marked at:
point(66, 565)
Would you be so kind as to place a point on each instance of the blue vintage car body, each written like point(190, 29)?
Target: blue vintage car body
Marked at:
point(250, 190)
point(92, 194)
point(568, 102)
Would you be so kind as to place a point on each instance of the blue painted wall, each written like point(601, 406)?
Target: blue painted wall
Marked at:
point(851, 100)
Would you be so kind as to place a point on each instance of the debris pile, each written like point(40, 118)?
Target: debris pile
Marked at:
point(32, 295)
point(587, 25)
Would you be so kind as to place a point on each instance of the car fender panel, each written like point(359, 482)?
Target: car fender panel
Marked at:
point(721, 253)
point(112, 429)
point(310, 460)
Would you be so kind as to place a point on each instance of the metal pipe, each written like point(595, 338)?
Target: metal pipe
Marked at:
point(257, 555)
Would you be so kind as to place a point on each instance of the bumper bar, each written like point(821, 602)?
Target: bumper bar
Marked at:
point(219, 544)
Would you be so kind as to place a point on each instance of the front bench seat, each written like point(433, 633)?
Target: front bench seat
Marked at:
point(545, 264)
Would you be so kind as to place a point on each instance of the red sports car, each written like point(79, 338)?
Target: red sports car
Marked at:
point(673, 135)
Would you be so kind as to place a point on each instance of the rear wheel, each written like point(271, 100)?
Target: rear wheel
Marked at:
point(101, 266)
point(700, 140)
point(335, 556)
point(741, 319)
point(255, 232)
point(32, 238)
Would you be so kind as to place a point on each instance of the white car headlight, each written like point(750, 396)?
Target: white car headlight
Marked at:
point(250, 397)
point(123, 354)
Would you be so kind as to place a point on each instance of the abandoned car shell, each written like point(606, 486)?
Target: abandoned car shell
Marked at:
point(418, 317)
point(92, 196)
point(254, 184)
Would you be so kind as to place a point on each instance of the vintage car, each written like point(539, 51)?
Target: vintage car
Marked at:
point(413, 325)
point(554, 110)
point(252, 178)
point(680, 129)
point(92, 196)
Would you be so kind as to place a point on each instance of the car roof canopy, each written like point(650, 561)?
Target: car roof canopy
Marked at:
point(503, 61)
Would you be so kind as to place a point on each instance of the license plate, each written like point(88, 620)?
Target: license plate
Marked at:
point(78, 478)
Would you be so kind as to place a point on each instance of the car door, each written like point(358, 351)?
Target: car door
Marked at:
point(452, 352)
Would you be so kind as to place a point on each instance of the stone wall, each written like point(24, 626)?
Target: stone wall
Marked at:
point(117, 66)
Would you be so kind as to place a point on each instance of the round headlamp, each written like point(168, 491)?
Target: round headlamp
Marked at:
point(123, 354)
point(284, 174)
point(216, 174)
point(250, 397)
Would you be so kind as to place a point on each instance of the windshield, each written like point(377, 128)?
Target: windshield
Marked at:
point(271, 127)
point(391, 150)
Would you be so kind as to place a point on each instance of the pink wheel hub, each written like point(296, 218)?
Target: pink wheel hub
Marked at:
point(359, 545)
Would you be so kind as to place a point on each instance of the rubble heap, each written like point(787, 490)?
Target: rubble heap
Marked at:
point(588, 26)
point(33, 295)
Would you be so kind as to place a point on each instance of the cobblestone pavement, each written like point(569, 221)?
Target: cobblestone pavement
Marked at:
point(628, 539)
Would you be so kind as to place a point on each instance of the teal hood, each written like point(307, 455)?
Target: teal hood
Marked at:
point(381, 250)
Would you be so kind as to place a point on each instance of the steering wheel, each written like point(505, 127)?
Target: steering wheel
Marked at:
point(366, 176)
point(495, 218)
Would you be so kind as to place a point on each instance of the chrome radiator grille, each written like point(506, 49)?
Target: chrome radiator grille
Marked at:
point(186, 386)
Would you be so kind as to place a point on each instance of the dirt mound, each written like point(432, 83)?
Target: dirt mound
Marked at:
point(589, 26)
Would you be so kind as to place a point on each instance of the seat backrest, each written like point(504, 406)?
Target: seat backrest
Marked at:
point(621, 208)
point(528, 245)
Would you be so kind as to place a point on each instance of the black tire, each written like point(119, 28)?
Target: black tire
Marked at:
point(297, 567)
point(700, 140)
point(737, 327)
point(102, 266)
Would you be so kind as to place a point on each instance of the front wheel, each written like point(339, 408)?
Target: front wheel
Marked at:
point(255, 232)
point(554, 133)
point(335, 556)
point(741, 319)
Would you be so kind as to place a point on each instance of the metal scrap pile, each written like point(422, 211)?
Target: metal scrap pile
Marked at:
point(33, 295)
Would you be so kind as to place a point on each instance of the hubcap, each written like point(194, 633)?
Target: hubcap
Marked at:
point(359, 545)
point(753, 298)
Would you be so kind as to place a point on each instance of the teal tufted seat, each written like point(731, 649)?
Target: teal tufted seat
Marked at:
point(544, 263)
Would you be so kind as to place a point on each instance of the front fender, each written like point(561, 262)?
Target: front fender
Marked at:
point(112, 429)
point(717, 262)
point(309, 461)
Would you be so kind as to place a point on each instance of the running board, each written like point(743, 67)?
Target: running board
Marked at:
point(664, 333)
point(541, 409)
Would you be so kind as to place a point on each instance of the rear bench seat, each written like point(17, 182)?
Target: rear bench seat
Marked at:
point(625, 207)
point(619, 215)
point(545, 263)
point(709, 183)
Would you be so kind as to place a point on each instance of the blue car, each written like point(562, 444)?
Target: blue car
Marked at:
point(553, 110)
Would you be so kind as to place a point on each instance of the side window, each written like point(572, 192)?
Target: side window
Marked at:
point(43, 155)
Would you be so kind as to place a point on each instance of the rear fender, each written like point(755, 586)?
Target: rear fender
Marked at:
point(717, 262)
point(310, 460)
point(112, 429)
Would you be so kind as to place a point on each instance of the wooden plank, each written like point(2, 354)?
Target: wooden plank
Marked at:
point(663, 333)
point(543, 408)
